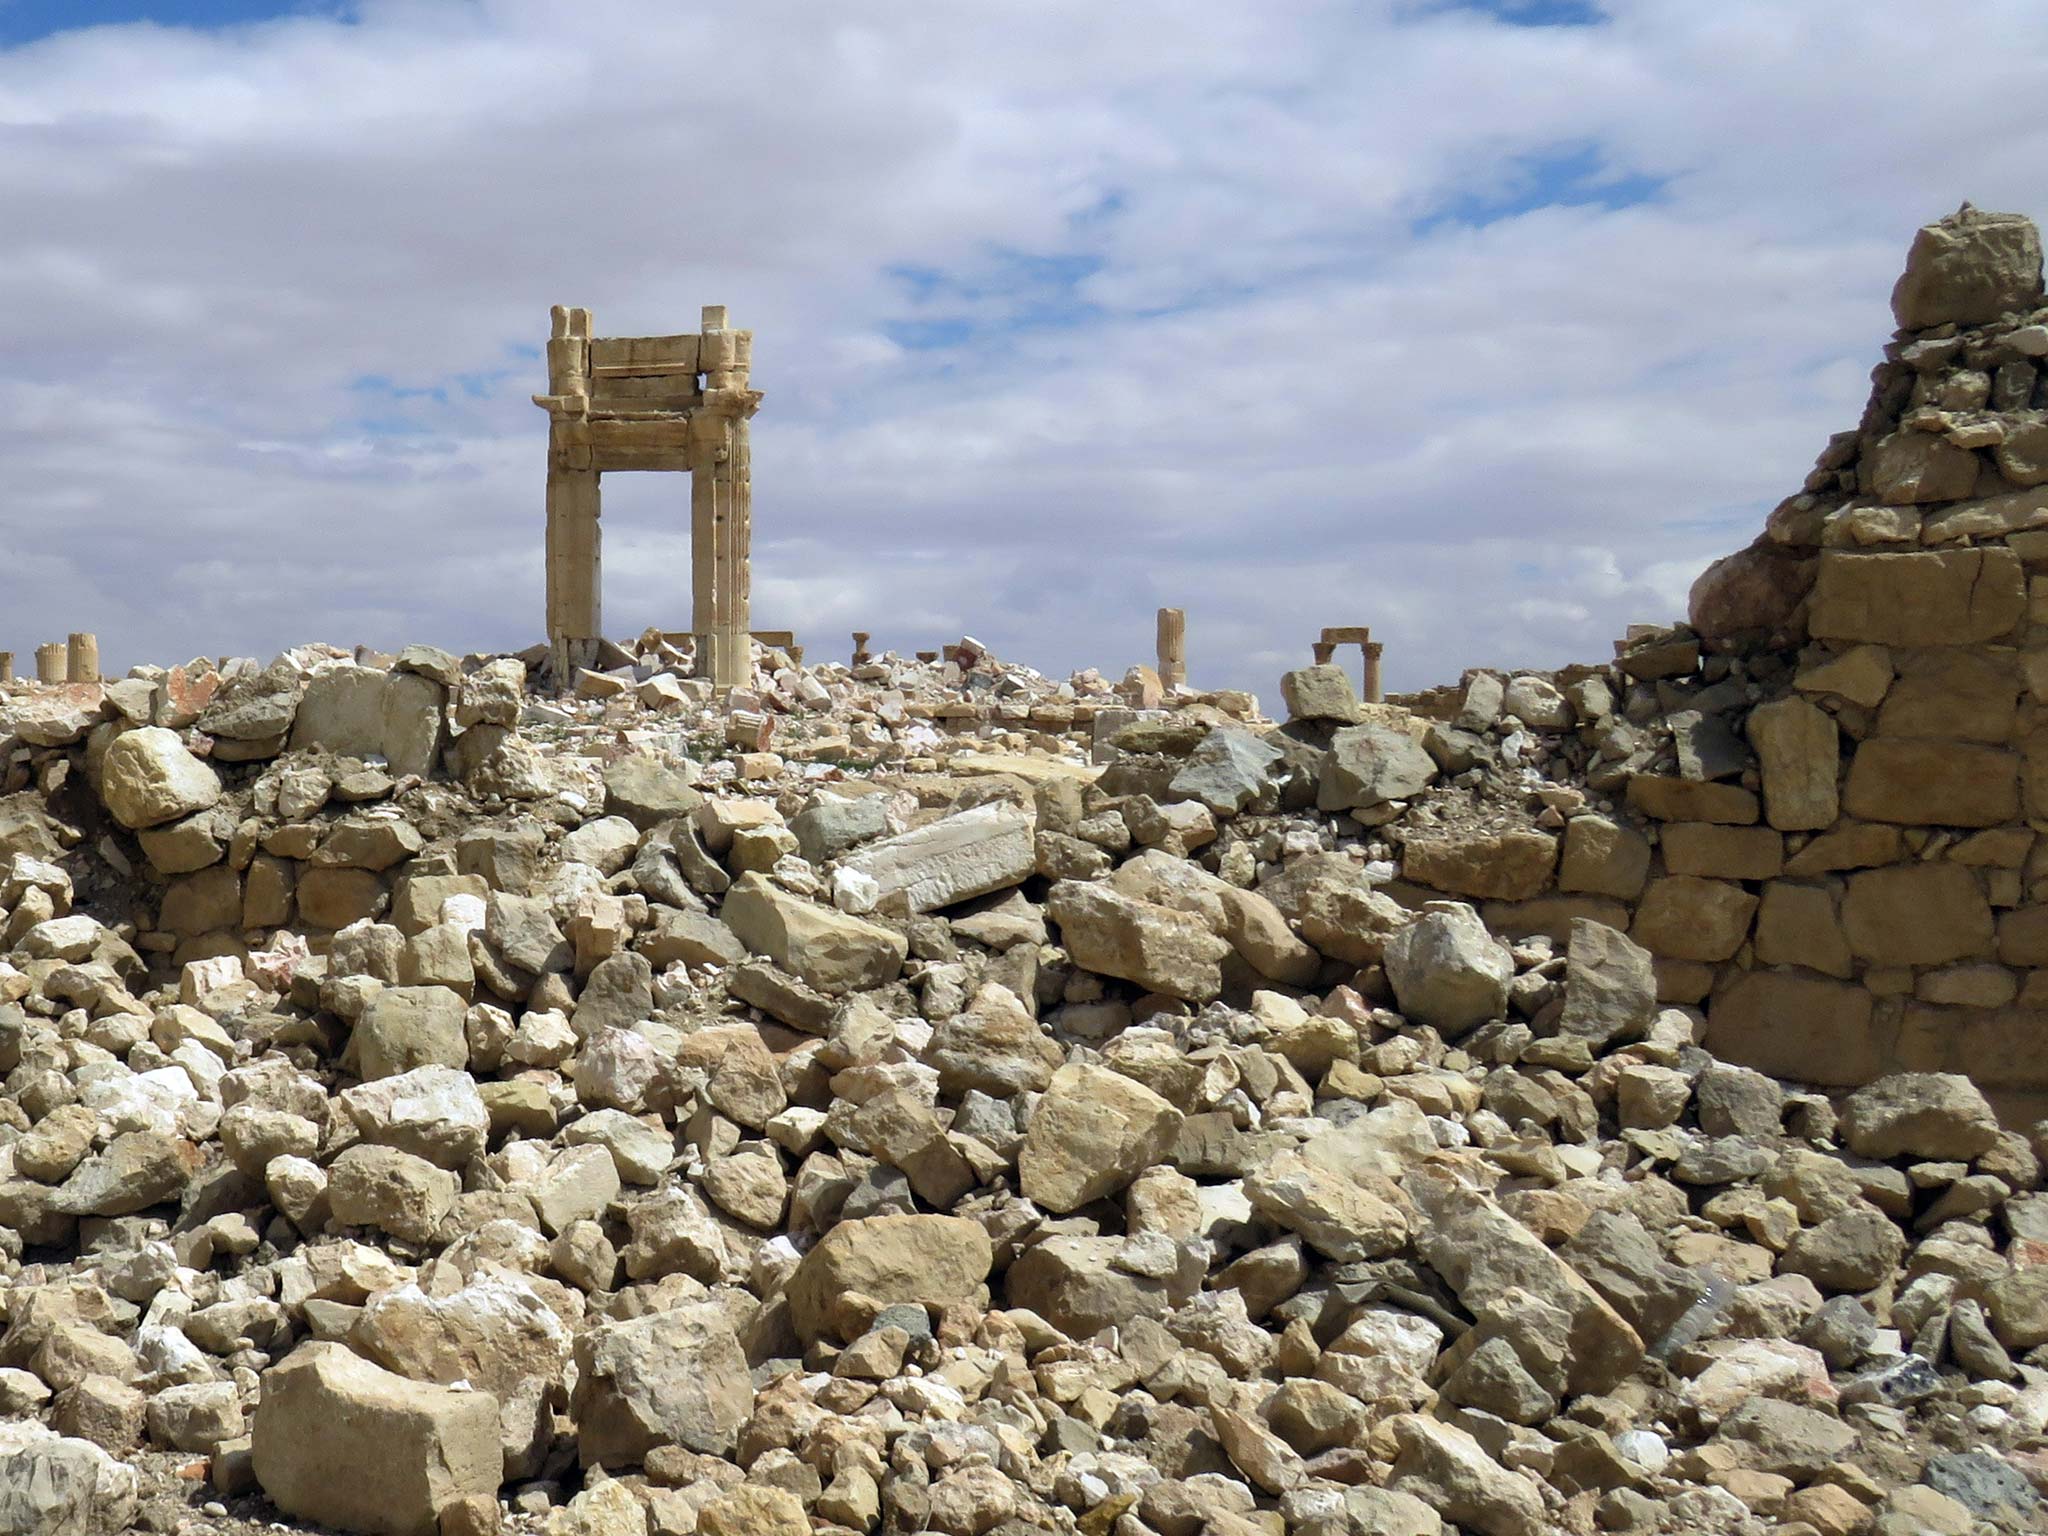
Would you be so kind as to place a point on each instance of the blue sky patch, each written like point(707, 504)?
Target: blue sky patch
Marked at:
point(1009, 292)
point(23, 21)
point(1537, 13)
point(1575, 176)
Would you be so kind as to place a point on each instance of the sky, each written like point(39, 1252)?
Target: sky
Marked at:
point(1485, 324)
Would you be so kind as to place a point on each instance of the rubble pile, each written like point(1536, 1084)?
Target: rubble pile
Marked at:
point(919, 1096)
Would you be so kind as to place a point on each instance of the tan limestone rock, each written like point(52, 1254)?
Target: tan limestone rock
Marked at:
point(826, 948)
point(1798, 749)
point(1687, 918)
point(1669, 799)
point(1939, 783)
point(1602, 857)
point(1799, 925)
point(147, 778)
point(1796, 1025)
point(1722, 853)
point(926, 1260)
point(1092, 1133)
point(349, 1444)
point(1949, 597)
point(1503, 866)
point(1917, 914)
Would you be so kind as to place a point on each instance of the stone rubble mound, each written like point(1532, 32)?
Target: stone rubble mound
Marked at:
point(920, 1096)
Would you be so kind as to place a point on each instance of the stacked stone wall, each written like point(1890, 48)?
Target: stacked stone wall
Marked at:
point(1829, 791)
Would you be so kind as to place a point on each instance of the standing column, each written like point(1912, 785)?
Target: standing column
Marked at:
point(1324, 650)
point(83, 658)
point(1173, 647)
point(52, 662)
point(722, 504)
point(1372, 672)
point(574, 565)
point(6, 666)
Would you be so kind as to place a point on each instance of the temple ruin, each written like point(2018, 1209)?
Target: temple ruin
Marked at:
point(650, 402)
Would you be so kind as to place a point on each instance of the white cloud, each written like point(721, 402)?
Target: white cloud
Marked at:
point(1200, 355)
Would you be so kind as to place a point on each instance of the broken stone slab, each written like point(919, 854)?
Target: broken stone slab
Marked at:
point(352, 1445)
point(648, 792)
point(823, 947)
point(1228, 771)
point(1155, 947)
point(1451, 1472)
point(497, 1334)
point(971, 853)
point(51, 1485)
point(1610, 991)
point(1482, 1252)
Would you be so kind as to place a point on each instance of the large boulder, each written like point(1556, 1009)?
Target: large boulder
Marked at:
point(1153, 946)
point(148, 778)
point(349, 1444)
point(925, 1260)
point(54, 1486)
point(1927, 1116)
point(676, 1377)
point(1092, 1133)
point(1968, 268)
point(1368, 765)
point(1448, 971)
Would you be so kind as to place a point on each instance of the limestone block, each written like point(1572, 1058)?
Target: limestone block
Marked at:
point(1368, 765)
point(413, 723)
point(1721, 853)
point(1800, 925)
point(1911, 467)
point(1946, 597)
point(972, 853)
point(1092, 1133)
point(926, 1260)
point(827, 949)
point(1796, 1025)
point(1687, 918)
point(349, 1444)
point(1502, 866)
point(342, 710)
point(1320, 693)
point(202, 903)
point(1953, 694)
point(1917, 914)
point(334, 898)
point(1933, 783)
point(1852, 845)
point(1799, 753)
point(1968, 268)
point(1669, 799)
point(1602, 857)
point(1862, 674)
point(1156, 947)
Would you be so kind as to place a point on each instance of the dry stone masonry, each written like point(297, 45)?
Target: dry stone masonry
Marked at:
point(602, 1092)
